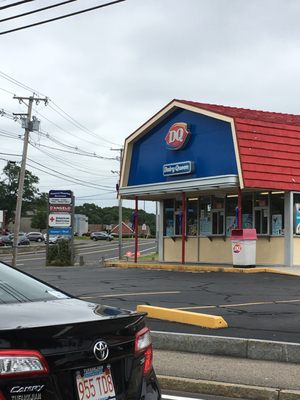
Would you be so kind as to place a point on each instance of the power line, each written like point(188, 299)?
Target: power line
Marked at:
point(61, 17)
point(18, 83)
point(77, 124)
point(62, 113)
point(37, 10)
point(75, 180)
point(15, 4)
point(77, 151)
point(70, 164)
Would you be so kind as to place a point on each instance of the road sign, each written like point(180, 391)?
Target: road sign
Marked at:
point(60, 231)
point(59, 194)
point(59, 220)
point(60, 200)
point(64, 208)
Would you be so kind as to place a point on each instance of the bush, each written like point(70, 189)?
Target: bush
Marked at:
point(60, 254)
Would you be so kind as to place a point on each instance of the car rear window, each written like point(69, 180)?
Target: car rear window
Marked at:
point(16, 287)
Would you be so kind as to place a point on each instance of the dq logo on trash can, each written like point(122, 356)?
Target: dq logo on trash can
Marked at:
point(237, 248)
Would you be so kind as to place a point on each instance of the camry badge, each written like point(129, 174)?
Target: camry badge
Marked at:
point(101, 351)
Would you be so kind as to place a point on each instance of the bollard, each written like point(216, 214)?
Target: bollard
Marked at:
point(81, 260)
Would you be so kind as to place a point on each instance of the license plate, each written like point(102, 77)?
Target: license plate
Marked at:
point(95, 384)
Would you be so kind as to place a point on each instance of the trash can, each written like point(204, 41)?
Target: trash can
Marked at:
point(243, 245)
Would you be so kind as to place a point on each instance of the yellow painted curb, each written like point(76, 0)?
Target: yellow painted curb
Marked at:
point(185, 317)
point(197, 268)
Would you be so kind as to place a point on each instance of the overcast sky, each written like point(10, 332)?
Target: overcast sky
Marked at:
point(113, 68)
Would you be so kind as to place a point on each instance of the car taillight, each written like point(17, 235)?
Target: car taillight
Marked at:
point(143, 344)
point(22, 362)
point(2, 396)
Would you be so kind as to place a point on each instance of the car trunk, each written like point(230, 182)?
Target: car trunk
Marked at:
point(68, 348)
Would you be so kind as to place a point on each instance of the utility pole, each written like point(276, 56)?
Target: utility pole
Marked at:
point(29, 125)
point(120, 205)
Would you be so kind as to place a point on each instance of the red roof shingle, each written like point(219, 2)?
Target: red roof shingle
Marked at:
point(268, 143)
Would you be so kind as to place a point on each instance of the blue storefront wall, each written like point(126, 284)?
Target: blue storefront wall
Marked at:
point(210, 148)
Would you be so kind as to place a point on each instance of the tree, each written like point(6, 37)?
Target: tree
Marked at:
point(40, 218)
point(9, 190)
point(110, 215)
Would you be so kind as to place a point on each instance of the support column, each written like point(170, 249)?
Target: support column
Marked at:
point(183, 228)
point(288, 229)
point(136, 229)
point(239, 209)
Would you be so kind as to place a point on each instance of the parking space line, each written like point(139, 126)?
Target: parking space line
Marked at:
point(261, 303)
point(128, 294)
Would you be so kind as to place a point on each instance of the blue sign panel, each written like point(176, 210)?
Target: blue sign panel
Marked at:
point(210, 147)
point(60, 194)
point(180, 168)
point(60, 231)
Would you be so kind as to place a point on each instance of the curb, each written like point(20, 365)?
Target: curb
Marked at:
point(186, 317)
point(231, 347)
point(196, 268)
point(226, 389)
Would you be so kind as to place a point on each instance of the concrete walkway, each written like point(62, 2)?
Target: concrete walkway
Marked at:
point(259, 370)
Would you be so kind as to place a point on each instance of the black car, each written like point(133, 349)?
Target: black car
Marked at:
point(54, 346)
point(8, 240)
point(101, 236)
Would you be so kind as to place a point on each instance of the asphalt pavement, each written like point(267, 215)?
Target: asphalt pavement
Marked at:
point(214, 363)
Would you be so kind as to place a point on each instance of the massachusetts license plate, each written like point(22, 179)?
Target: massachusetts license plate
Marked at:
point(95, 384)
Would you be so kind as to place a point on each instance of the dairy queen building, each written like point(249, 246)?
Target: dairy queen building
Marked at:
point(214, 168)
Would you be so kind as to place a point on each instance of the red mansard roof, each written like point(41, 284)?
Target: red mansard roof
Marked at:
point(268, 143)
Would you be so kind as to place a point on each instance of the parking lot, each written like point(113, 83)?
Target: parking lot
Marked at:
point(261, 306)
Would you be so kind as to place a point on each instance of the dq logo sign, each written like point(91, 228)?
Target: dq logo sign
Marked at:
point(177, 136)
point(237, 248)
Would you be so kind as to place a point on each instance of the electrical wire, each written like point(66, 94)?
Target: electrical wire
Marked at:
point(62, 113)
point(78, 124)
point(61, 17)
point(64, 178)
point(69, 164)
point(37, 10)
point(75, 180)
point(78, 150)
point(15, 4)
point(62, 129)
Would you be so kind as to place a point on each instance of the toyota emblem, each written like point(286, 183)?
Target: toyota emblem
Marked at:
point(101, 351)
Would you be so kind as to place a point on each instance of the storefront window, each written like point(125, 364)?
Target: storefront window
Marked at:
point(192, 217)
point(169, 218)
point(261, 213)
point(205, 216)
point(277, 213)
point(296, 214)
point(218, 212)
point(231, 213)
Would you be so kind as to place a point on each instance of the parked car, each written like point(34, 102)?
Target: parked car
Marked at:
point(53, 239)
point(101, 236)
point(35, 236)
point(5, 240)
point(55, 346)
point(22, 240)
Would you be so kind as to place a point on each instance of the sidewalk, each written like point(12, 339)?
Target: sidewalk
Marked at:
point(227, 376)
point(237, 368)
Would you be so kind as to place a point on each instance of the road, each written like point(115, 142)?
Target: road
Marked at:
point(92, 252)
